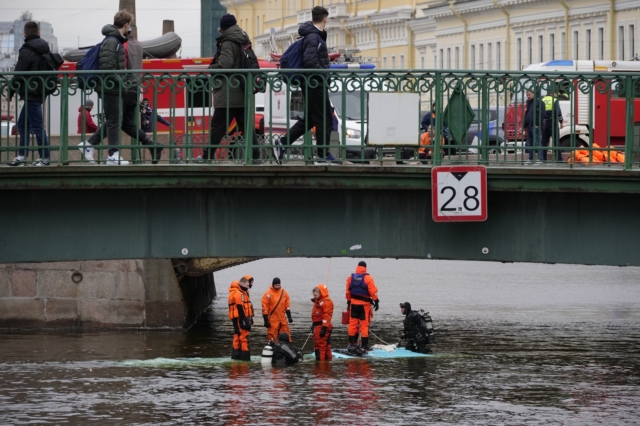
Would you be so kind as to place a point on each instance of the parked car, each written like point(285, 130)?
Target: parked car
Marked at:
point(496, 133)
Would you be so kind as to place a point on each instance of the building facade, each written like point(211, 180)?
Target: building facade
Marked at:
point(463, 34)
point(11, 39)
point(210, 13)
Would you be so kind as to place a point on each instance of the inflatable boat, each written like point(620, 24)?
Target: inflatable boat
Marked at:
point(164, 46)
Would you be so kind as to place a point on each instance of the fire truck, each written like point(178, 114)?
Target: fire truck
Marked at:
point(609, 117)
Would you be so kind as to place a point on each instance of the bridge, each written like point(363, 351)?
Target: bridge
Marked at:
point(242, 204)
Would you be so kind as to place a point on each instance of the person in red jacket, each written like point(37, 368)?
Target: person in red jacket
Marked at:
point(322, 327)
point(86, 123)
point(361, 294)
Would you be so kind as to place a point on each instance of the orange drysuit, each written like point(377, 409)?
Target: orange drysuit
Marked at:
point(322, 327)
point(240, 313)
point(360, 297)
point(275, 305)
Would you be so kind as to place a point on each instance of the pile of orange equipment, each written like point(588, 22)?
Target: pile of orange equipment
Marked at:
point(604, 156)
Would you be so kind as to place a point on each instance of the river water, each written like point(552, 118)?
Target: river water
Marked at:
point(516, 344)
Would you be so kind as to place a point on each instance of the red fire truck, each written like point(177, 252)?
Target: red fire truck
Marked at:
point(609, 117)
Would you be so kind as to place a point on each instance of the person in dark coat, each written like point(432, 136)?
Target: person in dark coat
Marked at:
point(416, 329)
point(32, 92)
point(552, 123)
point(283, 353)
point(145, 117)
point(315, 56)
point(532, 125)
point(111, 88)
point(228, 93)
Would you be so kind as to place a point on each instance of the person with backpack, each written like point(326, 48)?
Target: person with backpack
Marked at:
point(229, 89)
point(110, 87)
point(361, 294)
point(418, 329)
point(33, 91)
point(315, 55)
point(275, 305)
point(133, 61)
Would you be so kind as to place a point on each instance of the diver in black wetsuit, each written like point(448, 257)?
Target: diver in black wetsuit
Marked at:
point(283, 353)
point(418, 329)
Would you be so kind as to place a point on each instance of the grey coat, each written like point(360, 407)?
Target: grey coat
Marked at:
point(112, 58)
point(228, 57)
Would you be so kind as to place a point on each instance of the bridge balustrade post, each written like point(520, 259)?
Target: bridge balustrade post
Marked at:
point(63, 156)
point(484, 144)
point(629, 139)
point(437, 157)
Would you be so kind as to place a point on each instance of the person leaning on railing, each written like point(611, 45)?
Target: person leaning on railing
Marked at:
point(110, 87)
point(31, 90)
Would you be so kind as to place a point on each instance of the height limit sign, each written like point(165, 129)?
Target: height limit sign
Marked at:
point(459, 194)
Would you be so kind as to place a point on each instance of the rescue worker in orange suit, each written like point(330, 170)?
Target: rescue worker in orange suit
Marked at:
point(275, 305)
point(361, 294)
point(322, 327)
point(249, 278)
point(240, 313)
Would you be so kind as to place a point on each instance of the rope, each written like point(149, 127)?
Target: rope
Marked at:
point(305, 342)
point(374, 335)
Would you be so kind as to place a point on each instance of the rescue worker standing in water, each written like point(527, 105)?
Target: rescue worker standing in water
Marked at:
point(275, 305)
point(240, 313)
point(361, 294)
point(416, 329)
point(322, 326)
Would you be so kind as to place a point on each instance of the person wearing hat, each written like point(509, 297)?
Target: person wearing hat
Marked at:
point(240, 314)
point(361, 294)
point(275, 305)
point(228, 93)
point(283, 353)
point(417, 329)
point(85, 122)
point(322, 327)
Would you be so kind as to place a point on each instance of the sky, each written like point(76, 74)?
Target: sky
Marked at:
point(80, 21)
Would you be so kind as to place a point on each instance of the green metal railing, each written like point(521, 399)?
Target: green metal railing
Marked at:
point(474, 116)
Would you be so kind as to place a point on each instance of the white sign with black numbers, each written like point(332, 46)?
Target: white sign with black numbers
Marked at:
point(459, 193)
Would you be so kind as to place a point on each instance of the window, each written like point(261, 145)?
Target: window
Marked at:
point(257, 25)
point(552, 46)
point(422, 62)
point(457, 58)
point(489, 56)
point(519, 50)
point(448, 58)
point(621, 43)
point(384, 62)
point(540, 48)
point(576, 46)
point(601, 44)
point(588, 44)
point(498, 53)
point(441, 58)
point(481, 56)
point(473, 57)
point(563, 45)
point(632, 42)
point(529, 50)
point(393, 62)
point(401, 61)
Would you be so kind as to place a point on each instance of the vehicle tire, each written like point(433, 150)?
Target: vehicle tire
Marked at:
point(565, 142)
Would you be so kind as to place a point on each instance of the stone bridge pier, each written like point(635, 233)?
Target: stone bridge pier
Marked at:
point(108, 294)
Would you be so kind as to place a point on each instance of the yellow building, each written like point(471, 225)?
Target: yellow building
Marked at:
point(463, 34)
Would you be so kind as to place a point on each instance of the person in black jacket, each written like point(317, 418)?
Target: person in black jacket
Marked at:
point(32, 92)
point(315, 56)
point(146, 113)
point(532, 125)
point(283, 353)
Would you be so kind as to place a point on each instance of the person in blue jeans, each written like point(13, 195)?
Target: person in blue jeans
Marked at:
point(32, 92)
point(532, 123)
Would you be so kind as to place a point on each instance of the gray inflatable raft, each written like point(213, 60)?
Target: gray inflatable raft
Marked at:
point(164, 46)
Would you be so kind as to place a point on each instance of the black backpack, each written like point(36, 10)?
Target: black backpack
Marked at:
point(49, 62)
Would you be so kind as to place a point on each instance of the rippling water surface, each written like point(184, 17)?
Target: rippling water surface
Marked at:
point(517, 344)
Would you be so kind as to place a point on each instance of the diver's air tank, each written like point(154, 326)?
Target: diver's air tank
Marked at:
point(267, 355)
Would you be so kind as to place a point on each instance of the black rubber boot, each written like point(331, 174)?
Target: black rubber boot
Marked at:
point(317, 353)
point(365, 344)
point(235, 354)
point(245, 356)
point(352, 339)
